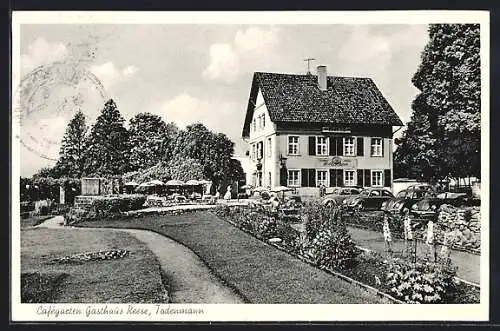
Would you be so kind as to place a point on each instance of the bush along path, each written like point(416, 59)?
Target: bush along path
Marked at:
point(259, 272)
point(188, 278)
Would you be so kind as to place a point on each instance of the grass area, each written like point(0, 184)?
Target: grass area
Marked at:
point(136, 278)
point(259, 272)
point(33, 220)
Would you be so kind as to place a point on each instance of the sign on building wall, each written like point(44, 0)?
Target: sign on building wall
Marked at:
point(340, 162)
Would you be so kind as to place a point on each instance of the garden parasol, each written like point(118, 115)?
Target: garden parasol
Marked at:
point(283, 189)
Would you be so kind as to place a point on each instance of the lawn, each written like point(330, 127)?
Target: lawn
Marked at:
point(258, 272)
point(33, 220)
point(135, 278)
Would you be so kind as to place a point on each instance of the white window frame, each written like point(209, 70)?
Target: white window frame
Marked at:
point(376, 150)
point(297, 144)
point(354, 178)
point(269, 147)
point(319, 146)
point(254, 124)
point(374, 171)
point(260, 152)
point(346, 146)
point(263, 120)
point(252, 151)
point(293, 183)
point(269, 178)
point(326, 181)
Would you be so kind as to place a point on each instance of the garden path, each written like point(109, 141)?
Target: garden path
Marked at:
point(189, 279)
point(468, 264)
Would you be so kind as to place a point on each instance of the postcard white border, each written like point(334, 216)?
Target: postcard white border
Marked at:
point(259, 312)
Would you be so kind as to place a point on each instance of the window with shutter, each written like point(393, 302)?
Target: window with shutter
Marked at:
point(312, 177)
point(360, 177)
point(312, 146)
point(339, 177)
point(304, 178)
point(360, 146)
point(333, 179)
point(333, 146)
point(340, 146)
point(387, 178)
point(367, 181)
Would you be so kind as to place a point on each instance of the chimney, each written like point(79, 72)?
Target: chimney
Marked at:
point(322, 78)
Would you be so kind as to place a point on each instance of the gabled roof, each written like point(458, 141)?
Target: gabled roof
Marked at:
point(297, 99)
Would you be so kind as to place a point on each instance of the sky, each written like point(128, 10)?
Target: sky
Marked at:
point(202, 73)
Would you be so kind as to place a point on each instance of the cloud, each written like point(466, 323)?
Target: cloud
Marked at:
point(42, 52)
point(224, 63)
point(227, 61)
point(129, 70)
point(109, 74)
point(184, 109)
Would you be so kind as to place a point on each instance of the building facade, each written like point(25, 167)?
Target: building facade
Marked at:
point(305, 131)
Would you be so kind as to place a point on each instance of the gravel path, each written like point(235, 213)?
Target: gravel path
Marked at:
point(189, 279)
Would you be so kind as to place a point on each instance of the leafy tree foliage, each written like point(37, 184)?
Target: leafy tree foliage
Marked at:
point(443, 136)
point(148, 136)
point(213, 151)
point(107, 144)
point(71, 155)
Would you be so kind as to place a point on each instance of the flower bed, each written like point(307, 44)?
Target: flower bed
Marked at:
point(457, 228)
point(326, 243)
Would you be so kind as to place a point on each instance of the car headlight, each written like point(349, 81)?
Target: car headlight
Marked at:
point(414, 207)
point(433, 207)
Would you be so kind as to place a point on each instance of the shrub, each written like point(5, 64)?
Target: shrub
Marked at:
point(107, 205)
point(421, 282)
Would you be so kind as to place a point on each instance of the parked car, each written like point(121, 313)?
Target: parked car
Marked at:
point(339, 194)
point(367, 199)
point(428, 207)
point(405, 199)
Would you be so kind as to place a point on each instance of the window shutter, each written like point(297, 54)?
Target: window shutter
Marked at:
point(368, 178)
point(340, 177)
point(333, 146)
point(360, 177)
point(340, 146)
point(387, 178)
point(312, 177)
point(304, 178)
point(360, 146)
point(333, 181)
point(382, 139)
point(312, 145)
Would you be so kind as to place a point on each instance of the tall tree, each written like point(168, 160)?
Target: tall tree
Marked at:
point(148, 136)
point(71, 155)
point(443, 136)
point(107, 144)
point(213, 151)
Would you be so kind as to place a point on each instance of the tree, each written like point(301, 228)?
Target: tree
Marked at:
point(107, 144)
point(148, 136)
point(213, 151)
point(71, 155)
point(443, 135)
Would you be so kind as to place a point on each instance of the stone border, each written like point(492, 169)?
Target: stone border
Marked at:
point(455, 248)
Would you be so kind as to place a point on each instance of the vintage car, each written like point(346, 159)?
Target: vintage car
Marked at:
point(368, 199)
point(428, 207)
point(405, 199)
point(421, 201)
point(338, 195)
